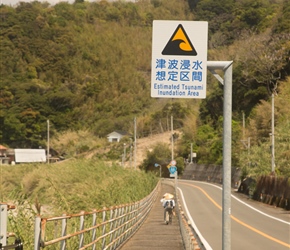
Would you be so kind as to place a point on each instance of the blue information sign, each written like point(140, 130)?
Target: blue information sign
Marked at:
point(172, 169)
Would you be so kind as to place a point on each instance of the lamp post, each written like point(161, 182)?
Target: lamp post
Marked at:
point(158, 165)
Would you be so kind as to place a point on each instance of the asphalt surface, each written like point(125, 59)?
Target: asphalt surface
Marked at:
point(154, 233)
point(253, 225)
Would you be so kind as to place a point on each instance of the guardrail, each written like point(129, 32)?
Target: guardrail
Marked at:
point(189, 239)
point(191, 242)
point(105, 229)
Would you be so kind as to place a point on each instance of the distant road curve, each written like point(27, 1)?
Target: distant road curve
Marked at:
point(254, 225)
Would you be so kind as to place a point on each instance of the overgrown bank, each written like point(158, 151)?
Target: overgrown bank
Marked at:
point(68, 187)
point(271, 190)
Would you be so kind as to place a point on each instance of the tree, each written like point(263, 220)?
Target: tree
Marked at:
point(159, 154)
point(264, 58)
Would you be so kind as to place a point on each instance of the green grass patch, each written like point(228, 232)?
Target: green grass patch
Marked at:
point(67, 187)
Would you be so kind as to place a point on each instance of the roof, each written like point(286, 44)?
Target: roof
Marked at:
point(121, 132)
point(2, 147)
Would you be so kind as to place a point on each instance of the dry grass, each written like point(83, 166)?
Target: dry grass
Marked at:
point(85, 144)
point(70, 186)
point(72, 143)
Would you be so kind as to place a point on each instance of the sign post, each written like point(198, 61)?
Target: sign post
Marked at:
point(179, 64)
point(227, 146)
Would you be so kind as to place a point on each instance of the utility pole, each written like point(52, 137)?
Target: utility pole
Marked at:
point(131, 147)
point(47, 141)
point(135, 142)
point(273, 136)
point(124, 155)
point(243, 126)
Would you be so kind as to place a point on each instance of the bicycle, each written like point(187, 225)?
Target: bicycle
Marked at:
point(168, 215)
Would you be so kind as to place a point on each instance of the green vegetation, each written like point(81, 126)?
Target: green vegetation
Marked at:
point(69, 187)
point(75, 184)
point(162, 155)
point(257, 160)
point(86, 67)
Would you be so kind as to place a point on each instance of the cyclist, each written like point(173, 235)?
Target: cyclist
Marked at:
point(168, 203)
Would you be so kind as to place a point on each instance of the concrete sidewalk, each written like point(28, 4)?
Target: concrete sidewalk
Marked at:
point(154, 233)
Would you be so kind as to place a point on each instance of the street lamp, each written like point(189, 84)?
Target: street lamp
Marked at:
point(158, 165)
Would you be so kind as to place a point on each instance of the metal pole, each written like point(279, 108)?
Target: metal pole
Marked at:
point(63, 232)
point(227, 146)
point(227, 154)
point(190, 152)
point(48, 141)
point(273, 135)
point(3, 223)
point(175, 182)
point(37, 232)
point(135, 142)
point(124, 155)
point(172, 143)
point(131, 156)
point(244, 125)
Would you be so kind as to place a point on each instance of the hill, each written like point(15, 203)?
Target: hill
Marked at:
point(147, 143)
point(87, 66)
point(143, 145)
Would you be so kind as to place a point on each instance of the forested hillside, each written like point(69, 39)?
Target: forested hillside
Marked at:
point(87, 66)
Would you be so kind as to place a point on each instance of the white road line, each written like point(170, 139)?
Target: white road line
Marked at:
point(204, 242)
point(255, 209)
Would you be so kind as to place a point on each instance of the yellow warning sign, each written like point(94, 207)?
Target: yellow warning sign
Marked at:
point(179, 44)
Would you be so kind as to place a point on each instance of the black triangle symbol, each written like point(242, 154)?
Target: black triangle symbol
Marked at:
point(179, 44)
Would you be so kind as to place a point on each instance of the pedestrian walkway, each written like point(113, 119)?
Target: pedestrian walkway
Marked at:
point(154, 233)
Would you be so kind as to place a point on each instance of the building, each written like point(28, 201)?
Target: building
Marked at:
point(116, 136)
point(4, 159)
point(14, 156)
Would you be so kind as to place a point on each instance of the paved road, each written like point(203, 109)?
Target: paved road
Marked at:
point(154, 233)
point(254, 225)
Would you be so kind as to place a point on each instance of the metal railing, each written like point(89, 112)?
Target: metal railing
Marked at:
point(108, 228)
point(4, 235)
point(190, 241)
point(16, 246)
point(187, 232)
